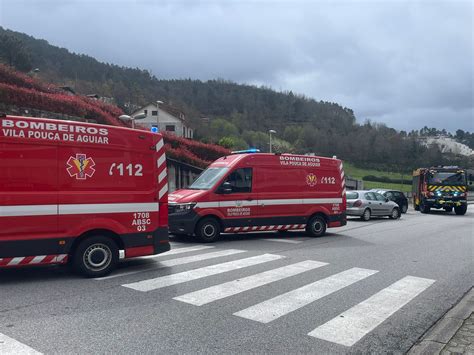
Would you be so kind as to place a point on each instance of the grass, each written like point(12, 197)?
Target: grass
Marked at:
point(359, 173)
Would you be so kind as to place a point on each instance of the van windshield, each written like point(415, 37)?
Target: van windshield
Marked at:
point(208, 178)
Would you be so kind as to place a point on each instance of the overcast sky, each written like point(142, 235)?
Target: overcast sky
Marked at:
point(405, 63)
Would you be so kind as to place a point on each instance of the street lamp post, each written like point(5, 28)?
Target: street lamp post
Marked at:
point(158, 103)
point(125, 118)
point(271, 132)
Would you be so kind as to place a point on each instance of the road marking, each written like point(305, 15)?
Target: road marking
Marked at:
point(291, 241)
point(177, 261)
point(281, 305)
point(164, 281)
point(231, 288)
point(12, 346)
point(350, 326)
point(179, 251)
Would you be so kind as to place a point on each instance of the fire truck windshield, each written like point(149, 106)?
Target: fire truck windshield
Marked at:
point(447, 178)
point(208, 178)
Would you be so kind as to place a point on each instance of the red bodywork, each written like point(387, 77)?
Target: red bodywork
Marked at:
point(61, 181)
point(286, 190)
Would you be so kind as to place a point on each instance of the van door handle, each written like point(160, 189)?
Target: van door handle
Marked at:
point(250, 199)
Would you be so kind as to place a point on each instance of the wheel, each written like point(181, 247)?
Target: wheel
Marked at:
point(95, 257)
point(316, 226)
point(416, 207)
point(404, 208)
point(208, 230)
point(424, 208)
point(395, 214)
point(460, 210)
point(366, 215)
point(448, 209)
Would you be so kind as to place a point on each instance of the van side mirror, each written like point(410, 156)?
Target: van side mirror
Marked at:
point(226, 188)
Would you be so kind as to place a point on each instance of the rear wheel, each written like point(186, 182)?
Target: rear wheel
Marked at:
point(460, 210)
point(316, 226)
point(366, 215)
point(424, 208)
point(95, 257)
point(208, 230)
point(395, 214)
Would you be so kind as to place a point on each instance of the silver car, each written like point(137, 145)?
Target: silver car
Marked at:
point(366, 204)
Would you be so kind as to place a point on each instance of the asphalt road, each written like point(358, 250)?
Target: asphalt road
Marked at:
point(372, 286)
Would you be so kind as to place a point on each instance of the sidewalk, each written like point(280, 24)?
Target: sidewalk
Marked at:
point(453, 333)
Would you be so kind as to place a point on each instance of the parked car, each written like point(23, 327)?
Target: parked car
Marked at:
point(366, 204)
point(395, 196)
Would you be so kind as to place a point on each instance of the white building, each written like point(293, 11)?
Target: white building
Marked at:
point(448, 145)
point(166, 117)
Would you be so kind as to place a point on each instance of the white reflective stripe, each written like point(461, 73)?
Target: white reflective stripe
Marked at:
point(37, 259)
point(16, 261)
point(239, 203)
point(162, 175)
point(281, 305)
point(174, 279)
point(279, 227)
point(163, 190)
point(245, 228)
point(34, 210)
point(11, 346)
point(108, 208)
point(59, 258)
point(254, 228)
point(227, 289)
point(160, 160)
point(159, 145)
point(350, 326)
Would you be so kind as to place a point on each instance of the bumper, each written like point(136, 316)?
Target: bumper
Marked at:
point(161, 241)
point(183, 223)
point(448, 202)
point(355, 211)
point(337, 220)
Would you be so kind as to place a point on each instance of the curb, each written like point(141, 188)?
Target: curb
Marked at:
point(436, 338)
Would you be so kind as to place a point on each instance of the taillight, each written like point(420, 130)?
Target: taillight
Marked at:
point(358, 203)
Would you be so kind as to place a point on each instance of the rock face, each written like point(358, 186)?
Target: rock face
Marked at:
point(448, 145)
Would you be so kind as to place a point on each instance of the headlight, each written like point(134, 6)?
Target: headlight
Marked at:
point(184, 207)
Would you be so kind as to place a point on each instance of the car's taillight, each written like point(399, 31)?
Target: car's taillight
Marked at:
point(358, 203)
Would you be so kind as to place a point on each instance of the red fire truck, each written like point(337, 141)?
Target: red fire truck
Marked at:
point(79, 192)
point(252, 192)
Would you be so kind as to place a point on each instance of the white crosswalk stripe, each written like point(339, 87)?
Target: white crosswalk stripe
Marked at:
point(281, 305)
point(173, 279)
point(231, 288)
point(350, 326)
point(178, 261)
point(11, 346)
point(180, 251)
point(290, 241)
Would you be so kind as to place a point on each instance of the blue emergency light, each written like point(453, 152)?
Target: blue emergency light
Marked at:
point(154, 129)
point(251, 150)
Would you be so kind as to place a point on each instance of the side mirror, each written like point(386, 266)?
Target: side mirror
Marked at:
point(387, 199)
point(226, 188)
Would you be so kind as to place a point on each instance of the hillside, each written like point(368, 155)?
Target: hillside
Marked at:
point(239, 116)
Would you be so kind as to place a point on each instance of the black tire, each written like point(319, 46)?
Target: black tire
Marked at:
point(460, 210)
point(316, 226)
point(395, 214)
point(416, 207)
point(448, 209)
point(95, 257)
point(366, 215)
point(404, 208)
point(424, 208)
point(208, 230)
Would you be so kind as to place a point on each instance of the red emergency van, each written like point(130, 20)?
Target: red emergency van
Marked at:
point(78, 192)
point(261, 192)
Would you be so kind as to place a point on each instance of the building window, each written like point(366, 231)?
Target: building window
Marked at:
point(170, 128)
point(184, 132)
point(145, 112)
point(154, 113)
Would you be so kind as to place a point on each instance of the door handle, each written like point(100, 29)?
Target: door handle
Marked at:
point(249, 199)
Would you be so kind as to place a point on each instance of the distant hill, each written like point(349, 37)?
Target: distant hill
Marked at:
point(237, 116)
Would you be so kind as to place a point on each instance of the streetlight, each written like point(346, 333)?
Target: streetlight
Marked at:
point(158, 103)
point(125, 118)
point(271, 132)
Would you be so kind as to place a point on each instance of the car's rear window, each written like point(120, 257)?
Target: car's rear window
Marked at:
point(352, 195)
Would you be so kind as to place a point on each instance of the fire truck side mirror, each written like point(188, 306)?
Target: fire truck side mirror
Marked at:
point(226, 188)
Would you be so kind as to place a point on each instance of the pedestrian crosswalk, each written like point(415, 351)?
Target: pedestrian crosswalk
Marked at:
point(348, 326)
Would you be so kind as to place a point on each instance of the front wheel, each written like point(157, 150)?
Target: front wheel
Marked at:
point(460, 210)
point(208, 230)
point(366, 215)
point(95, 257)
point(316, 226)
point(395, 214)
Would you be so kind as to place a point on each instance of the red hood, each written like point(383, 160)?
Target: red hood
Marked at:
point(184, 196)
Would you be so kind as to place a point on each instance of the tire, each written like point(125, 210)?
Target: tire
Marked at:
point(404, 208)
point(448, 209)
point(395, 214)
point(460, 210)
point(95, 257)
point(208, 230)
point(316, 226)
point(366, 215)
point(416, 207)
point(424, 208)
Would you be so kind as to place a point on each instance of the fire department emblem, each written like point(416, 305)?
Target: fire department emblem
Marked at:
point(80, 167)
point(311, 179)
